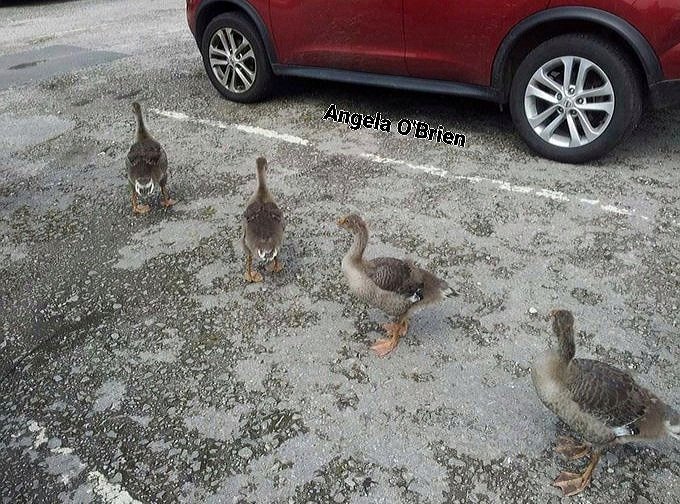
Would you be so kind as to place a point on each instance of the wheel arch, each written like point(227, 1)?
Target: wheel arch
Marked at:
point(209, 9)
point(561, 20)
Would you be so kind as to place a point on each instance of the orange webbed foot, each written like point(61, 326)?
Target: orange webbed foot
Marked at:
point(571, 483)
point(167, 203)
point(141, 209)
point(394, 330)
point(253, 276)
point(275, 266)
point(384, 346)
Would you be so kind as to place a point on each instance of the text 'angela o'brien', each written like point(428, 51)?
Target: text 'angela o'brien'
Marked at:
point(405, 127)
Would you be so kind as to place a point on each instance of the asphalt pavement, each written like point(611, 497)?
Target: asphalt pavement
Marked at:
point(136, 365)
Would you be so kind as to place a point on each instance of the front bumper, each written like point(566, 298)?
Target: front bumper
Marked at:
point(665, 94)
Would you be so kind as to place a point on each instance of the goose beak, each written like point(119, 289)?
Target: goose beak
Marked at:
point(551, 315)
point(342, 221)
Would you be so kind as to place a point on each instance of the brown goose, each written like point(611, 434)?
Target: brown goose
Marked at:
point(398, 287)
point(147, 166)
point(602, 404)
point(263, 226)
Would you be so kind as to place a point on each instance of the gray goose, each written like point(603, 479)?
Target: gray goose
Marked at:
point(601, 403)
point(147, 166)
point(397, 287)
point(263, 227)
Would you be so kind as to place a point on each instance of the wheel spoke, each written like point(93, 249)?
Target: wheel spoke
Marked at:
point(583, 68)
point(548, 131)
point(568, 62)
point(575, 137)
point(607, 107)
point(223, 40)
point(590, 132)
point(544, 79)
point(248, 55)
point(218, 60)
point(540, 118)
point(247, 71)
point(232, 79)
point(243, 45)
point(223, 76)
point(232, 43)
point(539, 93)
point(605, 90)
point(214, 51)
point(244, 74)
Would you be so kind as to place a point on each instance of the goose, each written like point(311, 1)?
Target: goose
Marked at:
point(147, 166)
point(263, 227)
point(396, 286)
point(601, 403)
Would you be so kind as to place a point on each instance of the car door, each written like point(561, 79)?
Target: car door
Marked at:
point(361, 35)
point(457, 40)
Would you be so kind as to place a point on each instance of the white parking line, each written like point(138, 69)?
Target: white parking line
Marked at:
point(429, 169)
point(253, 130)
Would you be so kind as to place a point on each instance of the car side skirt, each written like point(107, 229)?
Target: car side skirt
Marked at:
point(391, 81)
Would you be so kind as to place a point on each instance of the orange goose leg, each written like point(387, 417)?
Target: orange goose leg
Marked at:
point(572, 483)
point(251, 275)
point(395, 331)
point(569, 448)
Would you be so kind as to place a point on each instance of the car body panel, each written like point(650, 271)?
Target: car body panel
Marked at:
point(657, 20)
point(670, 61)
point(458, 40)
point(358, 35)
point(442, 47)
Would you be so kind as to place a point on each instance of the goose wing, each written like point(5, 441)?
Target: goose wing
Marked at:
point(264, 220)
point(147, 155)
point(609, 394)
point(396, 275)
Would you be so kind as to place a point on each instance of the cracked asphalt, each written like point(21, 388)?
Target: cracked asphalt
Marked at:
point(137, 366)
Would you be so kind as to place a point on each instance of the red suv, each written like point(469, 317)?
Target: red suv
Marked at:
point(576, 74)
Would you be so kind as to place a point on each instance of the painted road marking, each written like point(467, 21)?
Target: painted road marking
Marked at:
point(253, 130)
point(429, 169)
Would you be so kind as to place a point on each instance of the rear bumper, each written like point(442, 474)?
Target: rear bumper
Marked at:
point(665, 94)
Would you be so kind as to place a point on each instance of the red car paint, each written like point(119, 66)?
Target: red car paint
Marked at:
point(362, 35)
point(459, 42)
point(453, 41)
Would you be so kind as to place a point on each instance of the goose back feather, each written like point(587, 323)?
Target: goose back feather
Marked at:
point(600, 402)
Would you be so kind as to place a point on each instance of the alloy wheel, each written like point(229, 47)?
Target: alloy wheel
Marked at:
point(569, 101)
point(232, 60)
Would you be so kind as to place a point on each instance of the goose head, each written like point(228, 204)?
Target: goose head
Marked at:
point(352, 222)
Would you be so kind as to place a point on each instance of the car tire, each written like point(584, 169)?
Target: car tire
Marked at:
point(605, 103)
point(246, 76)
